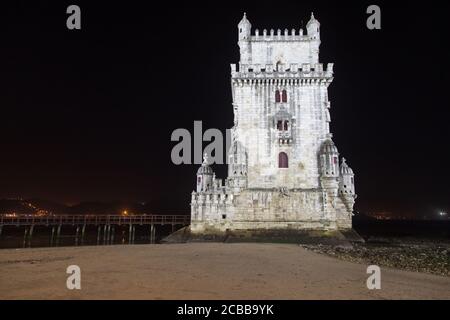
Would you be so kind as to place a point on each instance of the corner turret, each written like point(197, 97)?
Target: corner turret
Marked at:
point(347, 185)
point(313, 28)
point(244, 32)
point(205, 176)
point(329, 166)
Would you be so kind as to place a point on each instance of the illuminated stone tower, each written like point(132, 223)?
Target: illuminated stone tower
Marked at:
point(283, 170)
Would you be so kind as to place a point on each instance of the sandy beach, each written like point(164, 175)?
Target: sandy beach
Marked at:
point(203, 271)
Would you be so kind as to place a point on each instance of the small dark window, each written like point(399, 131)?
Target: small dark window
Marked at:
point(278, 66)
point(277, 96)
point(286, 125)
point(284, 96)
point(283, 160)
point(280, 125)
point(199, 180)
point(335, 160)
point(224, 216)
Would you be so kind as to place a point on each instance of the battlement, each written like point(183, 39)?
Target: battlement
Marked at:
point(278, 36)
point(200, 198)
point(293, 70)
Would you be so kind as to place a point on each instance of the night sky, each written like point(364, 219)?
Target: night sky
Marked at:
point(87, 115)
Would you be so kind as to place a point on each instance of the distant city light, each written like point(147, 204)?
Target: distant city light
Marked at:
point(442, 213)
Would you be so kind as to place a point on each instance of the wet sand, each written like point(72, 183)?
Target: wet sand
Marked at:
point(203, 271)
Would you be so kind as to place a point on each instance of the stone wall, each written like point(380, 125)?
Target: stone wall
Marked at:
point(269, 209)
point(255, 109)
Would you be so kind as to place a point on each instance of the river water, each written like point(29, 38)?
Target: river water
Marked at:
point(14, 237)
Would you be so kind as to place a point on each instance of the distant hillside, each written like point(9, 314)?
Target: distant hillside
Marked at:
point(39, 206)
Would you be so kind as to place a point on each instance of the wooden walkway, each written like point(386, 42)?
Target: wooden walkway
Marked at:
point(56, 220)
point(105, 224)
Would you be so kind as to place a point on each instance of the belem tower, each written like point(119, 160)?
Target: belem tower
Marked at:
point(283, 168)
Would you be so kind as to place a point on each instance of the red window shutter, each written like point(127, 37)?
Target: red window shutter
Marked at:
point(284, 96)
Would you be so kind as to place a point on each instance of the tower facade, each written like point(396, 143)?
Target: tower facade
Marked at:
point(283, 167)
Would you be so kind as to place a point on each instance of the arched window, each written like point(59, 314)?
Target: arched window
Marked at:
point(277, 96)
point(278, 66)
point(283, 160)
point(284, 96)
point(286, 125)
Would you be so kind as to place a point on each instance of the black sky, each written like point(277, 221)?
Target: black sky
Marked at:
point(87, 115)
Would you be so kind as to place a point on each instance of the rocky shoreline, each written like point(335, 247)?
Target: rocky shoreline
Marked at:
point(417, 256)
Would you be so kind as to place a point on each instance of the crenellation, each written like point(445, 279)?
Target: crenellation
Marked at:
point(300, 37)
point(282, 71)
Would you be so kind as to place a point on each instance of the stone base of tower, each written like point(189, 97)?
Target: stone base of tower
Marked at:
point(202, 227)
point(269, 209)
point(298, 236)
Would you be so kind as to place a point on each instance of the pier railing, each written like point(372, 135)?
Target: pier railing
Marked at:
point(56, 220)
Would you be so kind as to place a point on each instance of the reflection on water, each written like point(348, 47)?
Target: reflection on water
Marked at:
point(42, 236)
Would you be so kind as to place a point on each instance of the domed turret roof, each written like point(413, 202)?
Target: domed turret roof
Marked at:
point(244, 21)
point(328, 146)
point(312, 20)
point(205, 168)
point(345, 169)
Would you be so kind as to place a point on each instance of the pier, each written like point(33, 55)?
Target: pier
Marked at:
point(106, 225)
